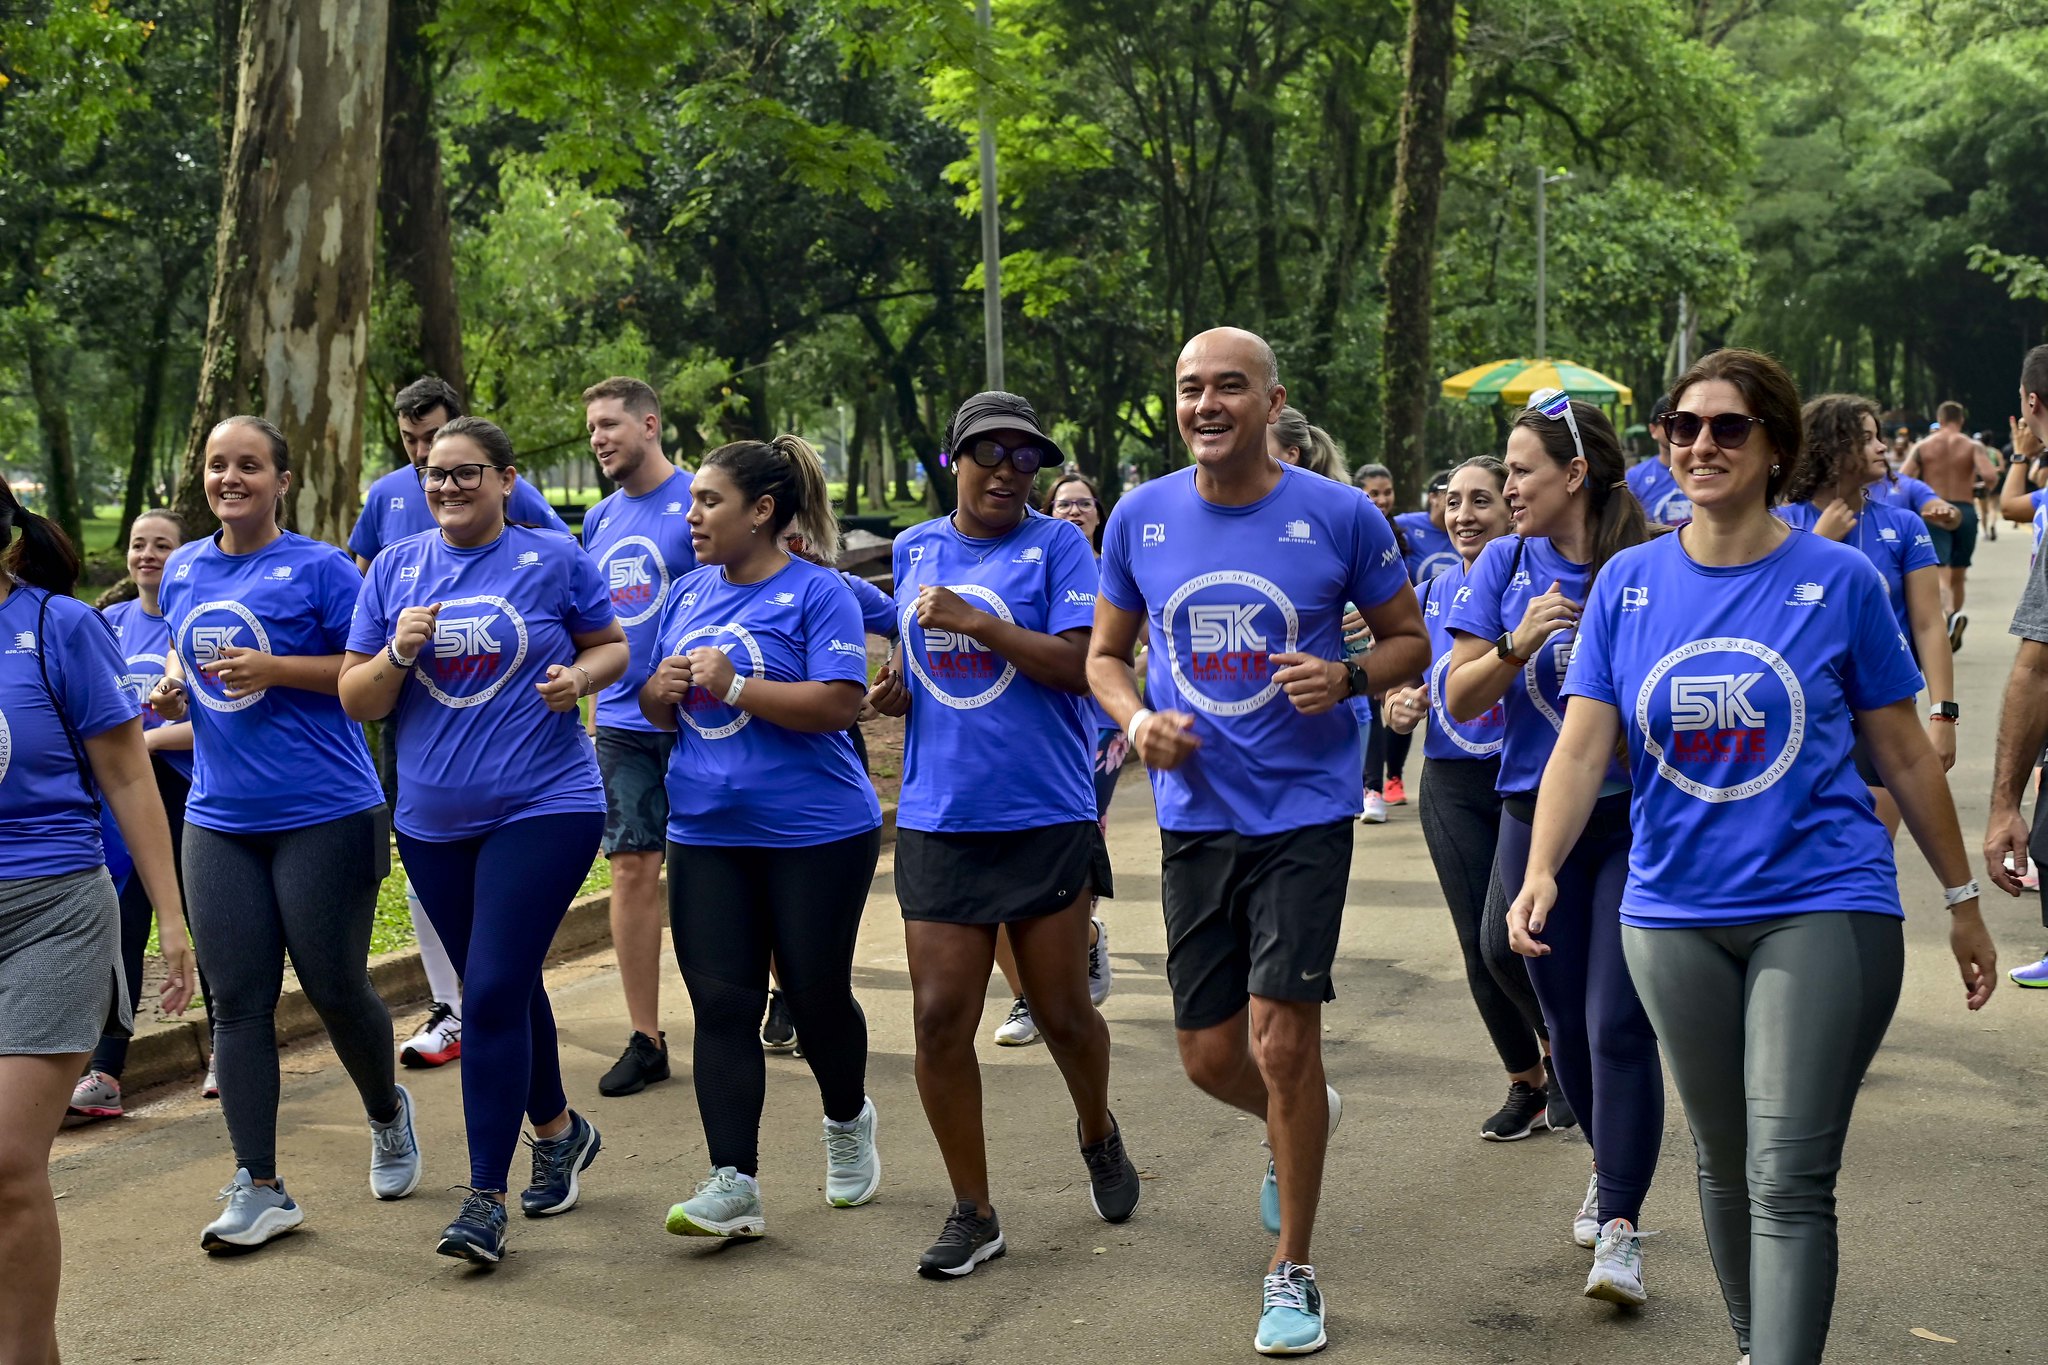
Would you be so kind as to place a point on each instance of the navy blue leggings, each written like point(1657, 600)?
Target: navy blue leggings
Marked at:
point(496, 901)
point(1601, 1042)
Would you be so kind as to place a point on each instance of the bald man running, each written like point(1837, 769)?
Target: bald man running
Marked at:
point(1952, 465)
point(1244, 567)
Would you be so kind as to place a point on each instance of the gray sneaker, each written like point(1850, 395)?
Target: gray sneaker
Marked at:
point(853, 1168)
point(255, 1214)
point(726, 1204)
point(395, 1153)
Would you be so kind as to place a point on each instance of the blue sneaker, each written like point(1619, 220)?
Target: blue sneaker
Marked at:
point(2034, 975)
point(1291, 1323)
point(557, 1163)
point(478, 1232)
point(255, 1214)
point(395, 1153)
point(1269, 1193)
point(726, 1204)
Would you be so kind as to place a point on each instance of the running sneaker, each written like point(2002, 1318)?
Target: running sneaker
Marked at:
point(1560, 1108)
point(644, 1062)
point(1374, 811)
point(853, 1168)
point(1526, 1110)
point(395, 1153)
point(1617, 1274)
point(479, 1231)
point(1291, 1319)
point(209, 1089)
point(778, 1030)
point(1269, 1193)
point(726, 1204)
point(1113, 1184)
point(1101, 976)
point(1957, 622)
point(558, 1162)
point(1586, 1222)
point(1017, 1030)
point(1396, 794)
point(2033, 976)
point(2032, 880)
point(438, 1042)
point(96, 1096)
point(255, 1214)
point(965, 1242)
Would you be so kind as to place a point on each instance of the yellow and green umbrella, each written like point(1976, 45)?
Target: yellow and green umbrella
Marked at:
point(1513, 381)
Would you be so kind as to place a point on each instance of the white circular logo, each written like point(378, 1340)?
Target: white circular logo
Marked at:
point(467, 648)
point(6, 746)
point(1443, 561)
point(143, 671)
point(1722, 718)
point(1442, 716)
point(1221, 635)
point(1553, 659)
point(956, 647)
point(638, 582)
point(202, 645)
point(756, 667)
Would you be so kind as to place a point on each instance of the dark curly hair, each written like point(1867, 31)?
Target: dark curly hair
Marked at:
point(1832, 429)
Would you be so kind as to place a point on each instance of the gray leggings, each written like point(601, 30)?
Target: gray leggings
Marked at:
point(1768, 1028)
point(310, 892)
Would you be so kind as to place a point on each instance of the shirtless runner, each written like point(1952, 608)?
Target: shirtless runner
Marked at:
point(1951, 464)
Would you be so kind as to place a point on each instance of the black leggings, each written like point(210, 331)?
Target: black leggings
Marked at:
point(1386, 752)
point(137, 914)
point(730, 909)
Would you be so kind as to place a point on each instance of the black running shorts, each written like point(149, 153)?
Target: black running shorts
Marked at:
point(1251, 915)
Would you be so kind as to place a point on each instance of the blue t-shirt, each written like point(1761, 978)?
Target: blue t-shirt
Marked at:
point(2039, 497)
point(642, 546)
point(282, 758)
point(1430, 551)
point(1491, 601)
point(395, 508)
point(735, 779)
point(1737, 688)
point(1900, 491)
point(972, 713)
point(877, 608)
point(477, 747)
point(1451, 740)
point(1225, 589)
point(1655, 488)
point(145, 642)
point(1893, 539)
point(48, 822)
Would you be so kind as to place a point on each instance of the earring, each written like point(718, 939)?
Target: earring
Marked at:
point(1774, 471)
point(755, 529)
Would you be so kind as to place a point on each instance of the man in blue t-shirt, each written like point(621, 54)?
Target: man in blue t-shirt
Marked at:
point(1651, 481)
point(640, 538)
point(1244, 567)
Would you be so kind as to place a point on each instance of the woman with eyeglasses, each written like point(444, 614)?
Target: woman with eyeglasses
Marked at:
point(997, 603)
point(1514, 623)
point(773, 826)
point(477, 640)
point(285, 837)
point(1738, 661)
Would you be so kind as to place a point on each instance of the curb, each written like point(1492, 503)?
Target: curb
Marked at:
point(176, 1049)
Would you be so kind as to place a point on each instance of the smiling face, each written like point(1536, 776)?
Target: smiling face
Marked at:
point(467, 516)
point(1381, 491)
point(1071, 501)
point(1539, 489)
point(722, 521)
point(1225, 397)
point(1713, 478)
point(243, 483)
point(150, 542)
point(1475, 511)
point(620, 439)
point(996, 498)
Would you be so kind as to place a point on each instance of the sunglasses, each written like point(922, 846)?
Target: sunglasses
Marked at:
point(988, 453)
point(465, 476)
point(1730, 430)
point(1556, 403)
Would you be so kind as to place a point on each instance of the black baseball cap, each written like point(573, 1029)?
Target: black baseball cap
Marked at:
point(995, 410)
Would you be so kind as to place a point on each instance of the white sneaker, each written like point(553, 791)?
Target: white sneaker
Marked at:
point(209, 1089)
point(1101, 976)
point(438, 1042)
point(1586, 1222)
point(1374, 812)
point(1617, 1274)
point(1017, 1030)
point(853, 1168)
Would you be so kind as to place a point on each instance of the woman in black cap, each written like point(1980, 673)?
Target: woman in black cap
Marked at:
point(996, 603)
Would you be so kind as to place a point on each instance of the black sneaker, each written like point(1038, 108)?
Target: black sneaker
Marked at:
point(967, 1240)
point(1957, 622)
point(642, 1064)
point(1561, 1115)
point(1113, 1184)
point(778, 1030)
point(1526, 1110)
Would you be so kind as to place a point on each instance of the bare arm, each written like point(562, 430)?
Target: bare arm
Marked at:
point(120, 767)
point(1565, 797)
point(1400, 649)
point(1937, 660)
point(2022, 727)
point(1056, 661)
point(2015, 502)
point(1163, 739)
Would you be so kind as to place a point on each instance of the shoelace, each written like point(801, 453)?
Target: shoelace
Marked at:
point(1106, 1158)
point(394, 1140)
point(551, 1155)
point(1625, 1246)
point(842, 1146)
point(718, 1182)
point(1019, 1010)
point(1287, 1287)
point(477, 1207)
point(961, 1226)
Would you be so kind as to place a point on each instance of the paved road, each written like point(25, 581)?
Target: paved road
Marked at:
point(1434, 1246)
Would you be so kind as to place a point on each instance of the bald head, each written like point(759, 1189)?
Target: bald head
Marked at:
point(1227, 392)
point(1248, 350)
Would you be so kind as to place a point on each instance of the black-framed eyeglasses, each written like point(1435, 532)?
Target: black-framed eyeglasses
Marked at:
point(464, 476)
point(1730, 430)
point(989, 452)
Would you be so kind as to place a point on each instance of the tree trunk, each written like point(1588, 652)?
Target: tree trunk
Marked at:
point(287, 321)
point(1407, 376)
point(413, 202)
point(149, 405)
point(60, 495)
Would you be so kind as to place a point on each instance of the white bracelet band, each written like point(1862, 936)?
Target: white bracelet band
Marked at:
point(391, 653)
point(1956, 895)
point(1137, 722)
point(732, 694)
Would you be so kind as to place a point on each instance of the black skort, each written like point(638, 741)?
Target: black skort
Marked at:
point(993, 878)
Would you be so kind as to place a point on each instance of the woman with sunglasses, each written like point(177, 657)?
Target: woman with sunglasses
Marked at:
point(1739, 660)
point(773, 826)
point(478, 639)
point(1461, 816)
point(1514, 625)
point(997, 603)
point(1826, 495)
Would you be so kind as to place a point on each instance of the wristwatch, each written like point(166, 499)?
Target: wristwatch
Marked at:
point(1356, 684)
point(1945, 710)
point(1505, 648)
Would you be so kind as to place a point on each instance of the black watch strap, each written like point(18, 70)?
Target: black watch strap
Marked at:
point(1357, 684)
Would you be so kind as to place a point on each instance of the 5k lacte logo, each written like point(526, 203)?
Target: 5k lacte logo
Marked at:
point(1225, 628)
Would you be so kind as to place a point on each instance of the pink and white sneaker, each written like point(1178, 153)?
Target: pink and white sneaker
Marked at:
point(96, 1096)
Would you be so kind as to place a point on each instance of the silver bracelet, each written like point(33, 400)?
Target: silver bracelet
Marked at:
point(586, 689)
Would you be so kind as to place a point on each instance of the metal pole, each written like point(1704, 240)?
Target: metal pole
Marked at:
point(991, 230)
point(1542, 284)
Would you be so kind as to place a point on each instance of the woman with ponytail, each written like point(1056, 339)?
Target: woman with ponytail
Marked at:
point(1514, 624)
point(75, 740)
point(773, 826)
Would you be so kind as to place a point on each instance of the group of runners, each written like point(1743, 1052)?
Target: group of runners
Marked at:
point(1609, 705)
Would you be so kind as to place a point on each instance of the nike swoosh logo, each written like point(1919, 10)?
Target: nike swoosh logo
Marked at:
point(1310, 976)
